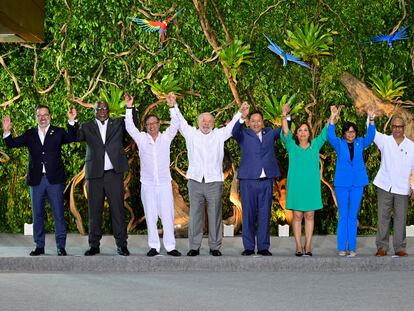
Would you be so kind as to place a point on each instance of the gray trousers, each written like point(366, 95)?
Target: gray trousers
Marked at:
point(399, 203)
point(200, 194)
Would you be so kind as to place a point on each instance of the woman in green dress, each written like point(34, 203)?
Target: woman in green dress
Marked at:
point(303, 181)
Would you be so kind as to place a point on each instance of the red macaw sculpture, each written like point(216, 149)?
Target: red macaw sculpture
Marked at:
point(152, 26)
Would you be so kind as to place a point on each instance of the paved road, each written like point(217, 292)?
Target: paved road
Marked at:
point(208, 291)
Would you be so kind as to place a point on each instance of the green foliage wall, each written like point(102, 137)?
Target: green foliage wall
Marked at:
point(92, 41)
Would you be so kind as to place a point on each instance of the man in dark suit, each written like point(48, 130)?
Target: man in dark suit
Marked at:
point(46, 175)
point(105, 164)
point(258, 168)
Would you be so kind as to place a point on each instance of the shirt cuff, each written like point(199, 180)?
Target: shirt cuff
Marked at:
point(72, 122)
point(5, 135)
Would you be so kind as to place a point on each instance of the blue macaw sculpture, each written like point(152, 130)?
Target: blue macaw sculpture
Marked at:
point(285, 56)
point(390, 38)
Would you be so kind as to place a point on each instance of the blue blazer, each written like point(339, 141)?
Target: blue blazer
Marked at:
point(350, 173)
point(48, 154)
point(256, 154)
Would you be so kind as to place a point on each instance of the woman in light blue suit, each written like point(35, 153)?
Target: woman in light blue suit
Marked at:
point(350, 178)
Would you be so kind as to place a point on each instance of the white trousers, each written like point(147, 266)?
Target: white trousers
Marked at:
point(158, 201)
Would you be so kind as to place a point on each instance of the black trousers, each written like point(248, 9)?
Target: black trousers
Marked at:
point(111, 186)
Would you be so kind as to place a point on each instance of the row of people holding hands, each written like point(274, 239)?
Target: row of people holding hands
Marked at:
point(106, 163)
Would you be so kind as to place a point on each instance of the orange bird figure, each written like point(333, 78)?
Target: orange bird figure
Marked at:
point(152, 26)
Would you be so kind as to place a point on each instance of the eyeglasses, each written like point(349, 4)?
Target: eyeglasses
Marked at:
point(397, 127)
point(46, 115)
point(102, 109)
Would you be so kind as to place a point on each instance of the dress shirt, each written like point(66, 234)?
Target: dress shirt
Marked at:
point(42, 140)
point(205, 151)
point(102, 130)
point(154, 154)
point(397, 163)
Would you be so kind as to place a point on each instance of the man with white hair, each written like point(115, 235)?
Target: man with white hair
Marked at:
point(205, 147)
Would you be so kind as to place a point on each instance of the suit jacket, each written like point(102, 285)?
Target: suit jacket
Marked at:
point(48, 154)
point(350, 173)
point(257, 154)
point(95, 148)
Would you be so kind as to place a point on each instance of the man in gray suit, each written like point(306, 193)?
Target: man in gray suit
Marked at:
point(105, 166)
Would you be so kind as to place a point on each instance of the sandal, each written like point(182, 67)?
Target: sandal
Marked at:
point(298, 254)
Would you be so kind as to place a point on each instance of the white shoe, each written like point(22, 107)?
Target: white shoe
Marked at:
point(342, 253)
point(352, 254)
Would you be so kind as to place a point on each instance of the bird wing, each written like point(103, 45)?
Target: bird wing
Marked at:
point(296, 60)
point(274, 47)
point(379, 38)
point(401, 34)
point(150, 26)
point(174, 16)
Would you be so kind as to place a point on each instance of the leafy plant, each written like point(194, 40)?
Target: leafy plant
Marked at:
point(272, 110)
point(235, 55)
point(114, 97)
point(167, 84)
point(310, 42)
point(387, 88)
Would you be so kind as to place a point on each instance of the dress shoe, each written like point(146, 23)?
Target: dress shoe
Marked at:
point(264, 252)
point(152, 252)
point(215, 252)
point(174, 253)
point(247, 252)
point(37, 251)
point(298, 254)
point(401, 253)
point(193, 252)
point(351, 254)
point(381, 253)
point(61, 251)
point(92, 251)
point(123, 251)
point(308, 254)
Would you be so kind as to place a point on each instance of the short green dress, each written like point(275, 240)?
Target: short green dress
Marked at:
point(303, 181)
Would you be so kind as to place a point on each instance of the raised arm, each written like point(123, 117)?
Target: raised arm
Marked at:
point(70, 135)
point(370, 135)
point(171, 131)
point(11, 142)
point(285, 124)
point(332, 138)
point(237, 130)
point(129, 122)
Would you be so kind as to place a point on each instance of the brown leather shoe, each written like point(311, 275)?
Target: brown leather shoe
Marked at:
point(381, 253)
point(401, 253)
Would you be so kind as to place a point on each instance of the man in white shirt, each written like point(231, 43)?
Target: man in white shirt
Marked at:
point(393, 183)
point(205, 147)
point(156, 189)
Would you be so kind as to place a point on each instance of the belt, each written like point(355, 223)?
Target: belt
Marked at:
point(107, 171)
point(263, 178)
point(43, 174)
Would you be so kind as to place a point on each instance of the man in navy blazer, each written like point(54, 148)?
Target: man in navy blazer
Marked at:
point(258, 168)
point(46, 175)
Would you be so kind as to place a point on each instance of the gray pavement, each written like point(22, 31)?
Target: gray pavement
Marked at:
point(231, 282)
point(207, 291)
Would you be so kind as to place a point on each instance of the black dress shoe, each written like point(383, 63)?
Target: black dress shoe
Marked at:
point(193, 252)
point(123, 251)
point(298, 254)
point(37, 251)
point(61, 251)
point(92, 251)
point(308, 254)
point(152, 252)
point(247, 252)
point(215, 252)
point(264, 252)
point(174, 253)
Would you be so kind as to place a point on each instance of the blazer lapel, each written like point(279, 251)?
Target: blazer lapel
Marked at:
point(109, 129)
